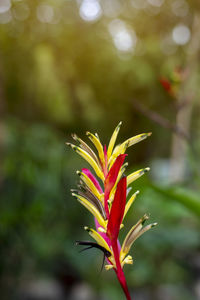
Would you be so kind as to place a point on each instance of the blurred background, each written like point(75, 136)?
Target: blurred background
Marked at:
point(72, 66)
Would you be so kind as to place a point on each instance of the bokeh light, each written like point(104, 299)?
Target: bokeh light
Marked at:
point(181, 34)
point(4, 6)
point(45, 13)
point(90, 10)
point(124, 39)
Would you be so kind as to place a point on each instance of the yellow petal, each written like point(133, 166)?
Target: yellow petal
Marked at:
point(120, 149)
point(98, 238)
point(127, 260)
point(135, 139)
point(130, 202)
point(109, 267)
point(86, 148)
point(89, 159)
point(113, 140)
point(92, 209)
point(135, 175)
point(95, 140)
point(90, 185)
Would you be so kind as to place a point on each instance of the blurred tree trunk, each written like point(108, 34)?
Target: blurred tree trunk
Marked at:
point(2, 113)
point(186, 103)
point(2, 97)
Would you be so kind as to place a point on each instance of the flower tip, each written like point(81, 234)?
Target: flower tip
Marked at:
point(128, 260)
point(88, 133)
point(108, 267)
point(143, 171)
point(144, 218)
point(149, 133)
point(154, 224)
point(74, 136)
point(121, 226)
point(72, 146)
point(137, 192)
point(86, 228)
point(119, 125)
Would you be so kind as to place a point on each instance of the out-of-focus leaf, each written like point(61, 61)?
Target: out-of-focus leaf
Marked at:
point(184, 196)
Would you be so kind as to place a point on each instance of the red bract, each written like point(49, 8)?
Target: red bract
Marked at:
point(166, 84)
point(111, 178)
point(114, 223)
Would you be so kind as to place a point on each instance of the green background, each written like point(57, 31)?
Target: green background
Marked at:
point(61, 74)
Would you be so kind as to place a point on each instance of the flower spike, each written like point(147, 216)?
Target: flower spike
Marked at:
point(107, 201)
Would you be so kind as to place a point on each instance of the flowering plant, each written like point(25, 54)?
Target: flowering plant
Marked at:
point(107, 201)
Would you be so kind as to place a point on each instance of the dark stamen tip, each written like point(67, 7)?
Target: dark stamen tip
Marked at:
point(87, 228)
point(146, 169)
point(145, 217)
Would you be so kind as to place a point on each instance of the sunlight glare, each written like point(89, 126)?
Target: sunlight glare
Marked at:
point(124, 39)
point(90, 10)
point(181, 34)
point(4, 6)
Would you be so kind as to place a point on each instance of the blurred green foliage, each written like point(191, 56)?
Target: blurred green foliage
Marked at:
point(60, 73)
